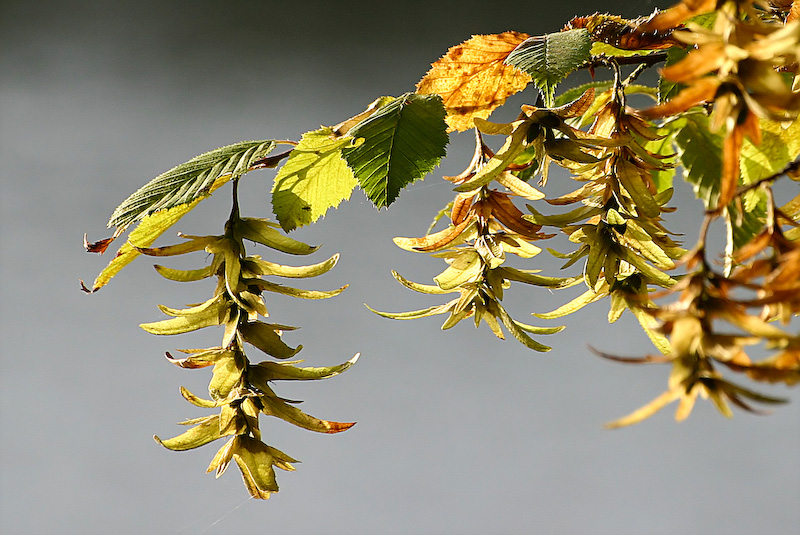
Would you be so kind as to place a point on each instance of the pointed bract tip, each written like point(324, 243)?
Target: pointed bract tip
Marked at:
point(99, 246)
point(86, 289)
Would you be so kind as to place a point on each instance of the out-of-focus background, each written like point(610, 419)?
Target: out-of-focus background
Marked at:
point(458, 432)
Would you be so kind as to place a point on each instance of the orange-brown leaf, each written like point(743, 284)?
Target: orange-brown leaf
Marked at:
point(731, 147)
point(99, 246)
point(794, 12)
point(577, 107)
point(700, 91)
point(697, 63)
point(504, 210)
point(677, 14)
point(461, 206)
point(438, 240)
point(472, 78)
point(785, 366)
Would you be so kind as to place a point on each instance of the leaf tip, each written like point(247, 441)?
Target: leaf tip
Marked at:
point(99, 246)
point(85, 289)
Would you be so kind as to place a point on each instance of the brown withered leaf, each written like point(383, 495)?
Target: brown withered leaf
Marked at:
point(503, 210)
point(99, 246)
point(621, 33)
point(783, 367)
point(472, 79)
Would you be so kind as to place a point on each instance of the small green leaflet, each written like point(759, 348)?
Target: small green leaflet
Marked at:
point(402, 142)
point(663, 147)
point(188, 181)
point(780, 144)
point(667, 88)
point(313, 179)
point(548, 59)
point(700, 154)
point(744, 226)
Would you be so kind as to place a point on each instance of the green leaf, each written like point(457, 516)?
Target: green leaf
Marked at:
point(267, 338)
point(227, 373)
point(264, 372)
point(415, 314)
point(255, 460)
point(599, 47)
point(662, 147)
point(572, 93)
point(744, 227)
point(264, 267)
point(700, 154)
point(513, 147)
point(402, 142)
point(589, 296)
point(548, 59)
point(297, 292)
point(780, 144)
point(528, 277)
point(421, 288)
point(314, 179)
point(632, 179)
point(517, 329)
point(206, 431)
point(189, 181)
point(266, 233)
point(274, 406)
point(209, 314)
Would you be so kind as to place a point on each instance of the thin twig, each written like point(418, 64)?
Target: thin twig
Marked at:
point(648, 60)
point(792, 167)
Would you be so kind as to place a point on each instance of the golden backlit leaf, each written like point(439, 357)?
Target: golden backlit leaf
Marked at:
point(472, 78)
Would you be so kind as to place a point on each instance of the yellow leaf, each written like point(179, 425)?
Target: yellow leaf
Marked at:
point(449, 237)
point(473, 79)
point(146, 233)
point(206, 431)
point(274, 406)
point(648, 410)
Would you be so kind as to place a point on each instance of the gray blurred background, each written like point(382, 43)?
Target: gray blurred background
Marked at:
point(458, 432)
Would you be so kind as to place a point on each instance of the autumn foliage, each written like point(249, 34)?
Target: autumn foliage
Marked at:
point(723, 116)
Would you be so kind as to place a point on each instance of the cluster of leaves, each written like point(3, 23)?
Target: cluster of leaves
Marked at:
point(725, 110)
